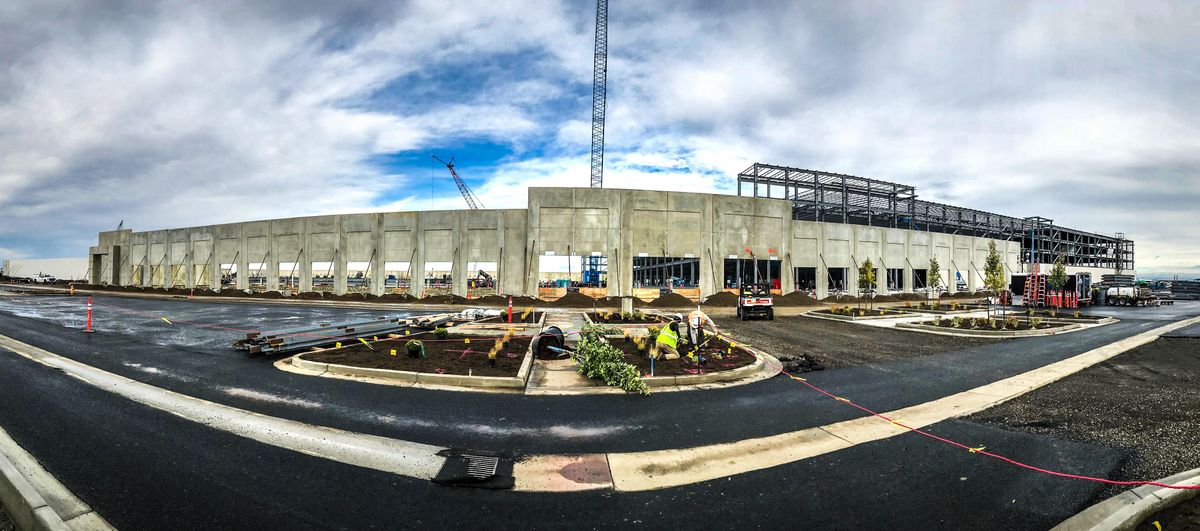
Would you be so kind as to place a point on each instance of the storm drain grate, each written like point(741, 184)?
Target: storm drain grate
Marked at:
point(481, 466)
point(469, 468)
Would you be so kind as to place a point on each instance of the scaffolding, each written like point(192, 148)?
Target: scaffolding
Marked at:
point(840, 198)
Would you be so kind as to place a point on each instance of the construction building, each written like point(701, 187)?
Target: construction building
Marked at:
point(801, 229)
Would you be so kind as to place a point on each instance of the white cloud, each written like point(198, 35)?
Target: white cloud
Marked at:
point(187, 113)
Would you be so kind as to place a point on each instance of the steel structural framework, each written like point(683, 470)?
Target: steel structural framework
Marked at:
point(840, 198)
point(599, 92)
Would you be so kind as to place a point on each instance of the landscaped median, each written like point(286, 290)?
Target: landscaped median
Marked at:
point(849, 313)
point(983, 326)
point(484, 361)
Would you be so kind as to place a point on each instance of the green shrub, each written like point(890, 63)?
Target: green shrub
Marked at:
point(1077, 315)
point(1035, 322)
point(993, 323)
point(1052, 313)
point(415, 348)
point(639, 315)
point(440, 332)
point(654, 331)
point(1029, 312)
point(598, 359)
point(956, 322)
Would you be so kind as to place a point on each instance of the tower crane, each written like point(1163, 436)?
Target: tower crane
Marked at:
point(466, 192)
point(599, 92)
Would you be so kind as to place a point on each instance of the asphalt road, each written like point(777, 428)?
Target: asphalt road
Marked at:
point(143, 468)
point(199, 362)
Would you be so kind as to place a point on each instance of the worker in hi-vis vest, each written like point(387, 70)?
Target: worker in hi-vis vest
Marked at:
point(696, 322)
point(667, 343)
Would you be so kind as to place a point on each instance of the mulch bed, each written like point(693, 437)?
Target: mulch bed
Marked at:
point(615, 318)
point(442, 356)
point(853, 312)
point(943, 308)
point(981, 324)
point(1065, 314)
point(681, 366)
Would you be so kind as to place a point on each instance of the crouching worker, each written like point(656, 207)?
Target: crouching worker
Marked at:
point(667, 344)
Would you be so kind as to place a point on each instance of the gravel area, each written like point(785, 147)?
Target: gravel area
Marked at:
point(841, 344)
point(1143, 401)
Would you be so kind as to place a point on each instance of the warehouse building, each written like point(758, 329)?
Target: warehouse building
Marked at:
point(801, 229)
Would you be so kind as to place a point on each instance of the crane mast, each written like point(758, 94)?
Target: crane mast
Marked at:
point(473, 202)
point(599, 75)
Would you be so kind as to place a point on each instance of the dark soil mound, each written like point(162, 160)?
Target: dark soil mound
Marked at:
point(443, 299)
point(886, 298)
point(799, 363)
point(671, 300)
point(348, 297)
point(397, 297)
point(722, 299)
point(309, 295)
point(267, 295)
point(521, 300)
point(843, 298)
point(491, 300)
point(573, 300)
point(911, 296)
point(796, 298)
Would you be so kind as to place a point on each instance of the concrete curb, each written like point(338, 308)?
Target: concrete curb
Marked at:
point(1128, 509)
point(988, 333)
point(709, 377)
point(22, 484)
point(448, 380)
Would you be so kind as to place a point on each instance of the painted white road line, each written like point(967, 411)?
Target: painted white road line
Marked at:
point(369, 451)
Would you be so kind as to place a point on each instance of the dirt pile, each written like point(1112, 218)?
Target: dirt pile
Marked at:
point(796, 298)
point(573, 300)
point(310, 295)
point(396, 297)
point(722, 299)
point(443, 299)
point(840, 300)
point(671, 300)
point(798, 363)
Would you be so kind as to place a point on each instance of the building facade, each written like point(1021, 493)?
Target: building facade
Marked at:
point(707, 241)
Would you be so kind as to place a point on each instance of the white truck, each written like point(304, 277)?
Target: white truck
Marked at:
point(42, 278)
point(1129, 296)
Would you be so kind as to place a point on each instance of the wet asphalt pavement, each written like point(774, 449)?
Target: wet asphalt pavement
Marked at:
point(143, 468)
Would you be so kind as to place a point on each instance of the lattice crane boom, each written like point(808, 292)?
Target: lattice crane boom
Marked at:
point(599, 92)
point(472, 201)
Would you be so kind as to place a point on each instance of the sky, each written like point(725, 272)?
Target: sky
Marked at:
point(174, 114)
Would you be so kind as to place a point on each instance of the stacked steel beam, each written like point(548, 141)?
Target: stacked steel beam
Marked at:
point(1186, 289)
point(303, 338)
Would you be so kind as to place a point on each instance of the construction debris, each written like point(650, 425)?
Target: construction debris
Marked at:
point(303, 338)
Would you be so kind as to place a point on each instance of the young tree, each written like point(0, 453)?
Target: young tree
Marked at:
point(866, 277)
point(934, 276)
point(993, 272)
point(1058, 279)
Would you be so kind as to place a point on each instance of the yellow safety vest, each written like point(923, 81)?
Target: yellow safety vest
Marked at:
point(668, 337)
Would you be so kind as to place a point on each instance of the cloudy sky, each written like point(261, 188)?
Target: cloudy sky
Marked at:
point(189, 113)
